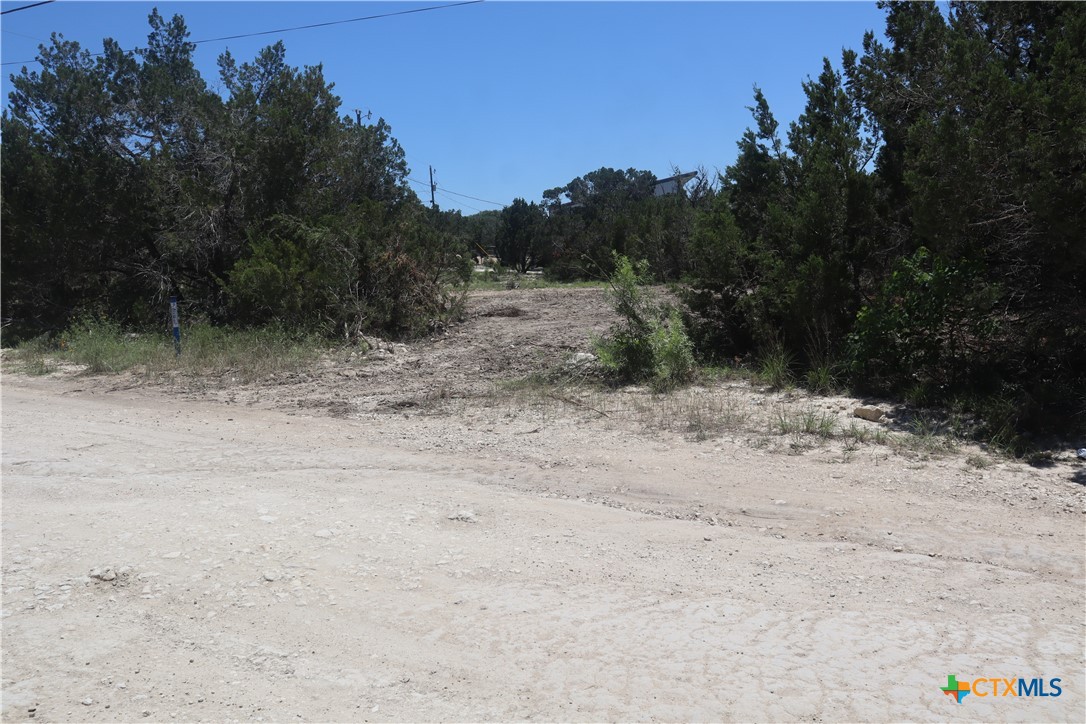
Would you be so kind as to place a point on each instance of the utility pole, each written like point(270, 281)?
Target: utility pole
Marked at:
point(433, 204)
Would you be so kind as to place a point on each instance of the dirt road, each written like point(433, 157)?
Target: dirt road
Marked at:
point(273, 565)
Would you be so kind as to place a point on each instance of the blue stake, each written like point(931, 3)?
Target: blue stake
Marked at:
point(176, 326)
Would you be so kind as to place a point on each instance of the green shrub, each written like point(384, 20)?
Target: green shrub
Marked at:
point(359, 275)
point(103, 348)
point(672, 353)
point(650, 343)
point(931, 326)
point(289, 275)
point(625, 355)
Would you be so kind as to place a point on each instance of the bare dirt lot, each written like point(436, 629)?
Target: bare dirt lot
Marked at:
point(419, 534)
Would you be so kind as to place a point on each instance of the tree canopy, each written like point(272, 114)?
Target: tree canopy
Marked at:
point(126, 180)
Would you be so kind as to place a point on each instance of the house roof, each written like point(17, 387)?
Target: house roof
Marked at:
point(682, 178)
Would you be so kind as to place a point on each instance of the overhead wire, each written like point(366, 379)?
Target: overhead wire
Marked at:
point(281, 30)
point(476, 198)
point(461, 203)
point(455, 193)
point(27, 7)
point(21, 35)
point(337, 22)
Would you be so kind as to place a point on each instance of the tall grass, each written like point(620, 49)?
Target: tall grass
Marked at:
point(806, 422)
point(775, 367)
point(822, 379)
point(101, 347)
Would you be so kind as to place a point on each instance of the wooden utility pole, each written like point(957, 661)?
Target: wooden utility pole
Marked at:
point(433, 204)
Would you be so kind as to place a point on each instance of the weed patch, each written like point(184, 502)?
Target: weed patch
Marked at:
point(775, 368)
point(101, 347)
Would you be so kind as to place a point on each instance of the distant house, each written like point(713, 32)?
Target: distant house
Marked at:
point(672, 184)
point(567, 206)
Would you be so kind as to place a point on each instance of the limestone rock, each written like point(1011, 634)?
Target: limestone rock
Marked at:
point(103, 574)
point(872, 414)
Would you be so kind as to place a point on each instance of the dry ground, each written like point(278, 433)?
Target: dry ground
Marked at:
point(397, 537)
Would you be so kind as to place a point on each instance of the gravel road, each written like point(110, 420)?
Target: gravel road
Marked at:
point(271, 565)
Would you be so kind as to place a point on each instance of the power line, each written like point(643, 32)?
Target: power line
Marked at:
point(281, 30)
point(455, 193)
point(27, 7)
point(476, 198)
point(28, 37)
point(460, 203)
point(337, 22)
point(443, 193)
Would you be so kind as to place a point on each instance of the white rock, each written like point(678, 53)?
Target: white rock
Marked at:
point(271, 576)
point(324, 533)
point(464, 516)
point(581, 359)
point(172, 554)
point(872, 414)
point(87, 702)
point(103, 574)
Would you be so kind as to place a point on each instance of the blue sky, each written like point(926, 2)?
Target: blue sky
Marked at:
point(508, 99)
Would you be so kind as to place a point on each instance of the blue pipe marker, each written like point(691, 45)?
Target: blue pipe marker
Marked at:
point(176, 326)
